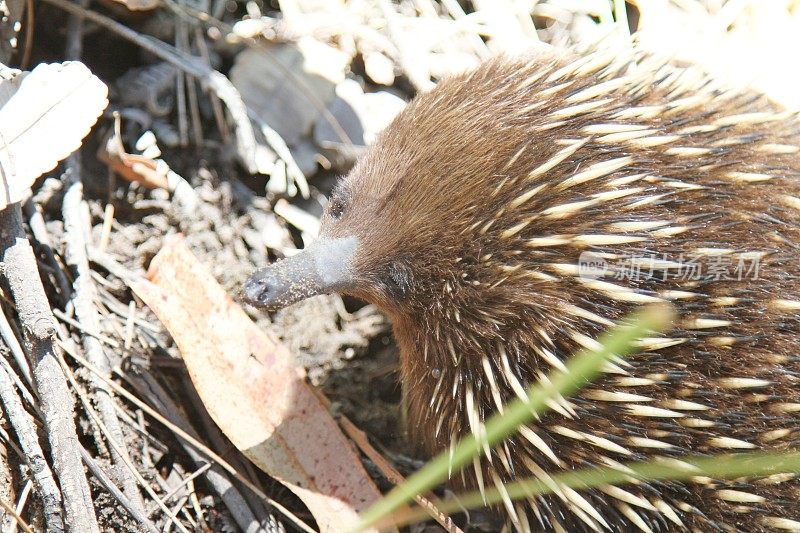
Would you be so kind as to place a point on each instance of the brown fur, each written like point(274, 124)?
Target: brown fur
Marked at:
point(430, 203)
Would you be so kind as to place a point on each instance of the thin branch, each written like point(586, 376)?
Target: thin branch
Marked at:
point(83, 298)
point(32, 453)
point(123, 500)
point(39, 232)
point(235, 500)
point(38, 325)
point(20, 522)
point(186, 481)
point(8, 336)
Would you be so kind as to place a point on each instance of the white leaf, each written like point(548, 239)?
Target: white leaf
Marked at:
point(44, 115)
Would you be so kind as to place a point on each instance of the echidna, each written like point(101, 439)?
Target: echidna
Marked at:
point(471, 220)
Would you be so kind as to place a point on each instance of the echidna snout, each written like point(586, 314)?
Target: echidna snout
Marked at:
point(466, 222)
point(323, 267)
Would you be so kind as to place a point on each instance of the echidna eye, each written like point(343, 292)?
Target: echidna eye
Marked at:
point(339, 200)
point(336, 207)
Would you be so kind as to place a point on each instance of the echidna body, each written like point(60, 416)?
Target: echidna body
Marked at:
point(466, 223)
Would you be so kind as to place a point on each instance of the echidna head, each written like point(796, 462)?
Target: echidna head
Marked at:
point(378, 241)
point(401, 226)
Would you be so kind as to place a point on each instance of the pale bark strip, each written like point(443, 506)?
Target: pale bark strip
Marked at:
point(84, 294)
point(38, 325)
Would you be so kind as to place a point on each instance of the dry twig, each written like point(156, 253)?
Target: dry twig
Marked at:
point(17, 518)
point(109, 485)
point(38, 326)
point(31, 451)
point(83, 299)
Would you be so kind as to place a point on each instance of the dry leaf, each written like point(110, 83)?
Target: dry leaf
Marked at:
point(137, 168)
point(254, 392)
point(44, 115)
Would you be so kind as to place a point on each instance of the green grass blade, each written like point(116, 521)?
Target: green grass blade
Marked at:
point(752, 464)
